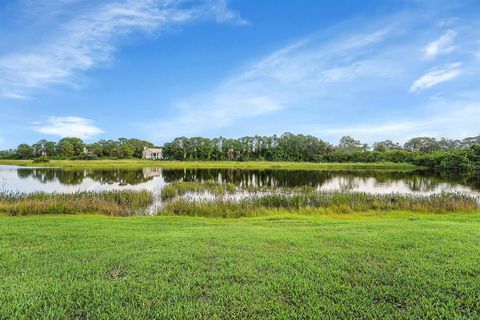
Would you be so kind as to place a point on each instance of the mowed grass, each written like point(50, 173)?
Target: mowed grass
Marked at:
point(401, 265)
point(254, 165)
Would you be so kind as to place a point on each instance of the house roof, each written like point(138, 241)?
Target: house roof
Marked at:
point(153, 149)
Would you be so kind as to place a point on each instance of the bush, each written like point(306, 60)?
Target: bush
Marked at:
point(41, 160)
point(456, 162)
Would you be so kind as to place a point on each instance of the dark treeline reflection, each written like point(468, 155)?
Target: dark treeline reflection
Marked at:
point(76, 177)
point(417, 181)
point(423, 181)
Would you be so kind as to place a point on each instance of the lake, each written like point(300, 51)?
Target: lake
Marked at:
point(24, 179)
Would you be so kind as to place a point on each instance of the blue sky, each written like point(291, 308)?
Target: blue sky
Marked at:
point(158, 69)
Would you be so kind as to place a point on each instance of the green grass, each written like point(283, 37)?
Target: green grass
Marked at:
point(399, 266)
point(211, 165)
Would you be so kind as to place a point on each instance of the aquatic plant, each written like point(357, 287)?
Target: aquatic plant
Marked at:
point(117, 202)
point(175, 189)
point(322, 202)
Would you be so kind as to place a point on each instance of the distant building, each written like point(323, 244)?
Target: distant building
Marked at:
point(152, 153)
point(86, 151)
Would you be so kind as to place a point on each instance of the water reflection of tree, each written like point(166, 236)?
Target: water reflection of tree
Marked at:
point(270, 178)
point(122, 177)
point(468, 179)
point(416, 181)
point(348, 183)
point(76, 177)
point(42, 175)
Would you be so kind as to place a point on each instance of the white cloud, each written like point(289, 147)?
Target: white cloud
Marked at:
point(69, 127)
point(90, 38)
point(436, 76)
point(221, 13)
point(442, 45)
point(331, 77)
point(286, 78)
point(460, 118)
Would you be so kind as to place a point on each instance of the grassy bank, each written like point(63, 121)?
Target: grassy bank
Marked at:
point(408, 266)
point(211, 165)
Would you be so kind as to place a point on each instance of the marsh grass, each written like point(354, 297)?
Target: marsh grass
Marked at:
point(117, 203)
point(180, 188)
point(320, 203)
point(176, 189)
point(211, 199)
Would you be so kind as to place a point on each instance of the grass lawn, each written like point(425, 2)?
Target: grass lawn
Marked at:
point(210, 164)
point(399, 265)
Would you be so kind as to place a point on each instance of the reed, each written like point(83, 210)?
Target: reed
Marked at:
point(176, 189)
point(322, 203)
point(118, 203)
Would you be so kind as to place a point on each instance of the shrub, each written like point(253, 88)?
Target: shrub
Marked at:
point(42, 159)
point(456, 162)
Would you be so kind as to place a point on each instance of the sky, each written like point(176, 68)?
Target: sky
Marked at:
point(159, 69)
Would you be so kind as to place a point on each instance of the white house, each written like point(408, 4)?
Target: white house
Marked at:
point(152, 153)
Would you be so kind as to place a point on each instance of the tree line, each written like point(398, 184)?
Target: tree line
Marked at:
point(423, 151)
point(76, 149)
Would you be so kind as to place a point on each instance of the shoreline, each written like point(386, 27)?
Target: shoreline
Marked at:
point(247, 165)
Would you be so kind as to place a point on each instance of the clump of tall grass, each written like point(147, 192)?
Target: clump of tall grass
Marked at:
point(435, 203)
point(175, 189)
point(116, 202)
point(220, 208)
point(325, 202)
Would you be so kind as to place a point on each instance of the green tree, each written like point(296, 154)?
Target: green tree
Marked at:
point(455, 161)
point(24, 151)
point(386, 145)
point(422, 144)
point(65, 149)
point(350, 145)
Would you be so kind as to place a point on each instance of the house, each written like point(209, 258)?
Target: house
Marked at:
point(86, 151)
point(152, 153)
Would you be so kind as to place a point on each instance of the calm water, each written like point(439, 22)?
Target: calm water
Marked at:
point(153, 179)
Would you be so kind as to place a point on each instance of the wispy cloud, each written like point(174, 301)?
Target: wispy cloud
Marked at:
point(90, 38)
point(69, 127)
point(288, 77)
point(436, 76)
point(442, 45)
point(339, 74)
point(460, 118)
